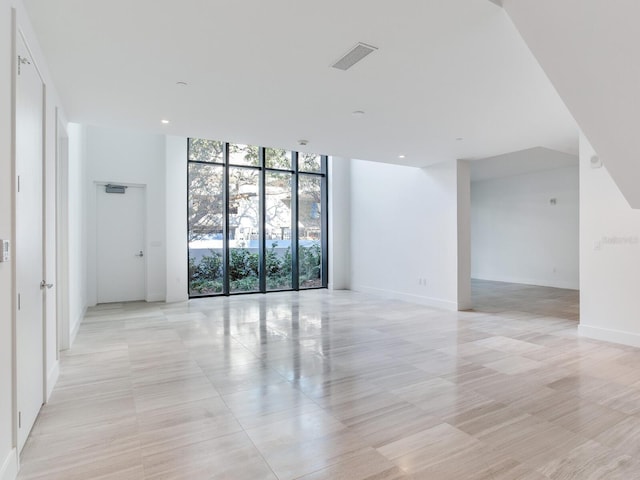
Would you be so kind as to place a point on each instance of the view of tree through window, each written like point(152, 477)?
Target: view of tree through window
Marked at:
point(278, 230)
point(310, 230)
point(205, 227)
point(257, 219)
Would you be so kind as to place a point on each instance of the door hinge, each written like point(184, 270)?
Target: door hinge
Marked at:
point(19, 302)
point(18, 183)
point(22, 61)
point(19, 419)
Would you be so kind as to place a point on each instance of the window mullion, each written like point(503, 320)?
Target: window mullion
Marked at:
point(295, 272)
point(324, 215)
point(262, 271)
point(225, 236)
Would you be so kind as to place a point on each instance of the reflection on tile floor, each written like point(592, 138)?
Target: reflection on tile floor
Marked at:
point(341, 385)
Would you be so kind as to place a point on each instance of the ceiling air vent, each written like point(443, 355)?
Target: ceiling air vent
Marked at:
point(353, 56)
point(110, 188)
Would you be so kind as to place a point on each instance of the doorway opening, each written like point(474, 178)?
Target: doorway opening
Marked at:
point(525, 234)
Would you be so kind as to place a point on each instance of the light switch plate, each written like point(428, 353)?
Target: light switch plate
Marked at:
point(4, 252)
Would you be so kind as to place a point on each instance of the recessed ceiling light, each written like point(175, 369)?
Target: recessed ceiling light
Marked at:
point(182, 84)
point(165, 121)
point(357, 113)
point(459, 139)
point(401, 156)
point(302, 143)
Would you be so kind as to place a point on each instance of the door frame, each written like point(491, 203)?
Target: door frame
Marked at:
point(17, 32)
point(94, 228)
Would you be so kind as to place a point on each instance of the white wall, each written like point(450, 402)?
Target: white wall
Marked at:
point(404, 232)
point(7, 454)
point(339, 223)
point(77, 231)
point(609, 257)
point(518, 236)
point(176, 220)
point(464, 235)
point(8, 457)
point(121, 156)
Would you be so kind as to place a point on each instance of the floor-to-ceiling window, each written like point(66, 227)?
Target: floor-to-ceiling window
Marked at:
point(257, 219)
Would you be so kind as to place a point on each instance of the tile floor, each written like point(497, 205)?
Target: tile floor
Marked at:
point(341, 385)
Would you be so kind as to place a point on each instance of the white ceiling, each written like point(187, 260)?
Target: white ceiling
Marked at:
point(590, 51)
point(520, 163)
point(258, 73)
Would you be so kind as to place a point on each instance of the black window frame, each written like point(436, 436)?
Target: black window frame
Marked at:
point(295, 250)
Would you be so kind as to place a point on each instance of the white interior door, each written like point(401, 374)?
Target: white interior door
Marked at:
point(121, 263)
point(29, 253)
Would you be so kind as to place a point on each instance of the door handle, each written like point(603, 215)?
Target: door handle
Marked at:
point(139, 254)
point(44, 284)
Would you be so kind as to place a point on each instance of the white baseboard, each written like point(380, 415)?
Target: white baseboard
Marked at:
point(9, 468)
point(76, 327)
point(407, 297)
point(531, 281)
point(610, 335)
point(155, 297)
point(465, 306)
point(177, 298)
point(52, 378)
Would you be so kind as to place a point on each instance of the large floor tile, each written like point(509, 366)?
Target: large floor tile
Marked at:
point(341, 385)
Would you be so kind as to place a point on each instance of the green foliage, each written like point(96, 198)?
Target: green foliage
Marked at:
point(274, 264)
point(242, 264)
point(249, 284)
point(205, 200)
point(278, 268)
point(244, 267)
point(205, 277)
point(244, 154)
point(310, 265)
point(203, 150)
point(308, 162)
point(278, 158)
point(211, 266)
